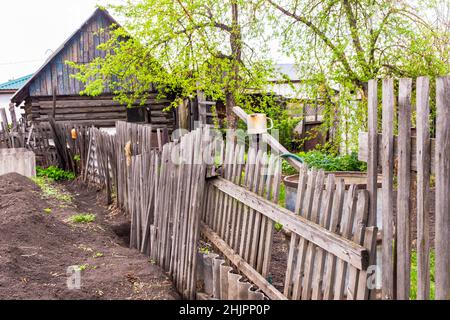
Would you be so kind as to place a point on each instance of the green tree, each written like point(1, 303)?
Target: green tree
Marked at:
point(341, 44)
point(182, 46)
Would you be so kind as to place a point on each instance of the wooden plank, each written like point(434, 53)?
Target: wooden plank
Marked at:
point(403, 190)
point(311, 248)
point(363, 151)
point(346, 227)
point(370, 240)
point(423, 188)
point(242, 265)
point(300, 256)
point(358, 237)
point(372, 147)
point(291, 272)
point(387, 189)
point(325, 220)
point(442, 188)
point(342, 248)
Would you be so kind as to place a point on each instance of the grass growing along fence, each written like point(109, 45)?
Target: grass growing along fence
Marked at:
point(413, 291)
point(55, 173)
point(50, 191)
point(83, 218)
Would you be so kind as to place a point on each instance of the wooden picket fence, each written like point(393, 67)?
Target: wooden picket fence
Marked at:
point(409, 160)
point(165, 203)
point(330, 242)
point(135, 139)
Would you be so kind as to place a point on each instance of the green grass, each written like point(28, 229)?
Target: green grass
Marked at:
point(282, 197)
point(50, 191)
point(83, 218)
point(413, 291)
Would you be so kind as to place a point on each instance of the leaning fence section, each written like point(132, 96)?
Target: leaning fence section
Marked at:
point(330, 243)
point(411, 150)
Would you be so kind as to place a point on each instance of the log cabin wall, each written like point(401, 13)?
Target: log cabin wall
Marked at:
point(100, 111)
point(54, 81)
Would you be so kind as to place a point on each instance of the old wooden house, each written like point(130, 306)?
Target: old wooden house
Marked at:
point(51, 91)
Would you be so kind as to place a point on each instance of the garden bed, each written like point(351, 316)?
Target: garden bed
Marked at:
point(40, 239)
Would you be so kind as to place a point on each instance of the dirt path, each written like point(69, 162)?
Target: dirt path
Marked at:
point(38, 242)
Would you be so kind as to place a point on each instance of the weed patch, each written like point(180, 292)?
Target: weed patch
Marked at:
point(83, 218)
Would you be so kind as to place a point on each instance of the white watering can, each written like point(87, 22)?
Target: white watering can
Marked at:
point(257, 123)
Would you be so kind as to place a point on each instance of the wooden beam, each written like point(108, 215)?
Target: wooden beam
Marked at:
point(442, 188)
point(243, 266)
point(363, 150)
point(342, 248)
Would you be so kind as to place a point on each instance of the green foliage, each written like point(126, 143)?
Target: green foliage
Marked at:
point(77, 158)
point(339, 45)
point(413, 291)
point(98, 255)
point(180, 47)
point(55, 173)
point(278, 227)
point(48, 210)
point(83, 218)
point(287, 169)
point(328, 162)
point(50, 191)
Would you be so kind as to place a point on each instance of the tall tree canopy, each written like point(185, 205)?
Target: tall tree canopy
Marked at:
point(342, 44)
point(222, 48)
point(184, 46)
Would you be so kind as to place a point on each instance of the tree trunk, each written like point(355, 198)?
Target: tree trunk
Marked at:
point(236, 53)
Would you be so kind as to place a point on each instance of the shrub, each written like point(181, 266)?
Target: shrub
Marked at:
point(55, 173)
point(328, 162)
point(82, 218)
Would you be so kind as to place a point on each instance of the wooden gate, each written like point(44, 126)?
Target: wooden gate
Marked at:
point(413, 153)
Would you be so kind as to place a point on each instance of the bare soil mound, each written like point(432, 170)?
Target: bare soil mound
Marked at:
point(37, 245)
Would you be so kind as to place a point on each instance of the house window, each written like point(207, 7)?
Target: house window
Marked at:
point(137, 115)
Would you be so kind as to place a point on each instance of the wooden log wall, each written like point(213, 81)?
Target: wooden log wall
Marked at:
point(102, 111)
point(417, 159)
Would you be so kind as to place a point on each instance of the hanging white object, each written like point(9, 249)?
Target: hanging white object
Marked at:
point(257, 123)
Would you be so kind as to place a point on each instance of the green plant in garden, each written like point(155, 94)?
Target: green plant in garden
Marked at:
point(77, 158)
point(339, 45)
point(50, 191)
point(83, 218)
point(55, 173)
point(83, 267)
point(278, 227)
point(413, 291)
point(328, 162)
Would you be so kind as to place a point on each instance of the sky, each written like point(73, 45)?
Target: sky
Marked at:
point(31, 29)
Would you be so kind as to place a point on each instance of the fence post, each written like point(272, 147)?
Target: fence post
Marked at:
point(403, 189)
point(372, 162)
point(423, 188)
point(442, 188)
point(388, 171)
